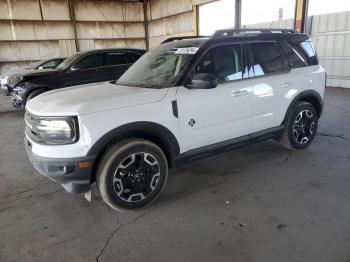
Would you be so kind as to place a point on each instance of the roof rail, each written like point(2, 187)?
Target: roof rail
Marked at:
point(171, 39)
point(231, 32)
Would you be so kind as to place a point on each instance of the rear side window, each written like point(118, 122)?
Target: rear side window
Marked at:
point(224, 62)
point(117, 59)
point(267, 59)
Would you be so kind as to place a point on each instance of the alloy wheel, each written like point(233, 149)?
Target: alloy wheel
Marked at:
point(304, 126)
point(136, 177)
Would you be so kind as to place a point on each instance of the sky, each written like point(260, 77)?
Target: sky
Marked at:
point(221, 13)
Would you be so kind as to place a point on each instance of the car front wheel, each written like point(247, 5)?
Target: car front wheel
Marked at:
point(131, 174)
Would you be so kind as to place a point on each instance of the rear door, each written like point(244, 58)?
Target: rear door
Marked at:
point(90, 68)
point(118, 63)
point(272, 82)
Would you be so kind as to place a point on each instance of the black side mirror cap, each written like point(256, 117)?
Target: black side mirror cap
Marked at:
point(203, 81)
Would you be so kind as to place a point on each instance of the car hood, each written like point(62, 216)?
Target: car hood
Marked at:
point(29, 74)
point(91, 98)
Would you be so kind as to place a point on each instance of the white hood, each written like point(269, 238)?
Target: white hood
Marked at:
point(91, 98)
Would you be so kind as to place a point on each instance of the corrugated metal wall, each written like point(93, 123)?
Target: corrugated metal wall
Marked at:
point(285, 23)
point(31, 30)
point(171, 18)
point(331, 36)
point(36, 29)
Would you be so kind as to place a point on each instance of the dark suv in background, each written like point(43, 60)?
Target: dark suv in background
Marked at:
point(42, 64)
point(81, 68)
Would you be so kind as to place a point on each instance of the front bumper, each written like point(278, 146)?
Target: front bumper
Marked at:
point(64, 171)
point(17, 100)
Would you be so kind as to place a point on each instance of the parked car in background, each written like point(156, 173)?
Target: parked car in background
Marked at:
point(182, 100)
point(81, 68)
point(43, 64)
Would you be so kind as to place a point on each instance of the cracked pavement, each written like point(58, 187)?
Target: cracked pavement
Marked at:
point(259, 203)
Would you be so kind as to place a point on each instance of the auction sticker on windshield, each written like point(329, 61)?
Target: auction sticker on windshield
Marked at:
point(187, 50)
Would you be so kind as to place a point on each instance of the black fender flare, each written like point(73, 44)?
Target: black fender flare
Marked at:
point(32, 87)
point(157, 133)
point(309, 96)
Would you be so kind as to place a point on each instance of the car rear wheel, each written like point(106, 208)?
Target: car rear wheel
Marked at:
point(131, 174)
point(300, 127)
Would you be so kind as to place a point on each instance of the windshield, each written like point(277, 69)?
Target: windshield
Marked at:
point(159, 67)
point(67, 62)
point(35, 64)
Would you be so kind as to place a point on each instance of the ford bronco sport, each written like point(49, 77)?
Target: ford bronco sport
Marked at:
point(182, 99)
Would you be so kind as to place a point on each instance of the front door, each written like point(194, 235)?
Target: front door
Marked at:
point(91, 68)
point(209, 116)
point(118, 63)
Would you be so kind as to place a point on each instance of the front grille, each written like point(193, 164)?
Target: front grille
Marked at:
point(31, 123)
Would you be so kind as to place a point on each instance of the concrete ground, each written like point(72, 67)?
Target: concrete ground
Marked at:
point(259, 203)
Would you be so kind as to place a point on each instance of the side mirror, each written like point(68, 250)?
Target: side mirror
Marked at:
point(203, 81)
point(40, 67)
point(73, 68)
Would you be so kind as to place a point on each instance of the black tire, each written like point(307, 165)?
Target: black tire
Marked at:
point(34, 93)
point(131, 174)
point(299, 134)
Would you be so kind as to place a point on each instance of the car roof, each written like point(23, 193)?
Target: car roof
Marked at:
point(235, 38)
point(137, 50)
point(251, 37)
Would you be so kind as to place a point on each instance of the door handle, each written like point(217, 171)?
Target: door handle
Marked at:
point(288, 84)
point(239, 93)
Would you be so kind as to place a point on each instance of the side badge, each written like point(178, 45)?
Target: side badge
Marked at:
point(192, 122)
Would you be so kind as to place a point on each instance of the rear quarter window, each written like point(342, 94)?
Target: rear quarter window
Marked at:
point(300, 54)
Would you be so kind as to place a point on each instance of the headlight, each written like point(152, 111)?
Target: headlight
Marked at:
point(18, 87)
point(4, 80)
point(52, 131)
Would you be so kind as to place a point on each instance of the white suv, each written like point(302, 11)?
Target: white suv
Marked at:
point(181, 100)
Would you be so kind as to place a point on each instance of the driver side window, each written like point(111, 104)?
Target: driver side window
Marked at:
point(223, 62)
point(91, 61)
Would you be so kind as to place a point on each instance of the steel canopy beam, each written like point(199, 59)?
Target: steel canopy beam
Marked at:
point(300, 18)
point(238, 13)
point(71, 4)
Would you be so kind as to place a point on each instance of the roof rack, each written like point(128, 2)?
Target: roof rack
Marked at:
point(171, 39)
point(231, 32)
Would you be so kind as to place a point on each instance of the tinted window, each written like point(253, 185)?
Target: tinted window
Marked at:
point(225, 63)
point(307, 51)
point(117, 59)
point(295, 58)
point(91, 61)
point(267, 59)
point(133, 57)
